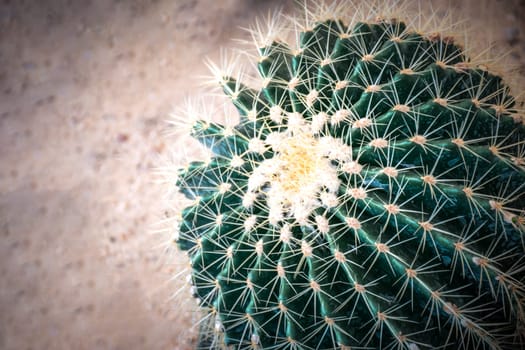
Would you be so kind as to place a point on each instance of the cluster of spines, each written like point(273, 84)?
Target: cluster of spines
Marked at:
point(431, 202)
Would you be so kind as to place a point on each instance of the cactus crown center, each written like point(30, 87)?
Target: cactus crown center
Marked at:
point(298, 173)
point(300, 161)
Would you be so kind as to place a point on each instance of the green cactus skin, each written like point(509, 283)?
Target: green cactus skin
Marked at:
point(371, 197)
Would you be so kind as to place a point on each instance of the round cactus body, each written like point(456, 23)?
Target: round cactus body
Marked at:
point(371, 197)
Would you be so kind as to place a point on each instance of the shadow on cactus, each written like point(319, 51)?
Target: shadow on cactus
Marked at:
point(371, 197)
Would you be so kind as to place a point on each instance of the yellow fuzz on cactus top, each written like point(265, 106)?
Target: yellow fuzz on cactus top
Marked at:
point(300, 176)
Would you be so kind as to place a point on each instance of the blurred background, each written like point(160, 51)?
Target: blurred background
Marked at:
point(86, 87)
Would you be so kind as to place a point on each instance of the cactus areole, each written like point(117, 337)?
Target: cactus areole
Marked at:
point(370, 197)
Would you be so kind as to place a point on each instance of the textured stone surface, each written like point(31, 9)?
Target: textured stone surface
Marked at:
point(85, 88)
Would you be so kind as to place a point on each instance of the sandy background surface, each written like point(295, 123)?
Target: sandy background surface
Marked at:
point(85, 89)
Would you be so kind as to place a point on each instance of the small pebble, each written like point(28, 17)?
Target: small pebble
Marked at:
point(511, 35)
point(122, 138)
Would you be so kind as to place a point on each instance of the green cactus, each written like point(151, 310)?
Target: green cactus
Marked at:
point(371, 197)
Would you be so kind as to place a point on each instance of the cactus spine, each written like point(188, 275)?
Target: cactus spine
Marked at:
point(371, 197)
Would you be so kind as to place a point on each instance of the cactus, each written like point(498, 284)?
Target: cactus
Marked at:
point(370, 197)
